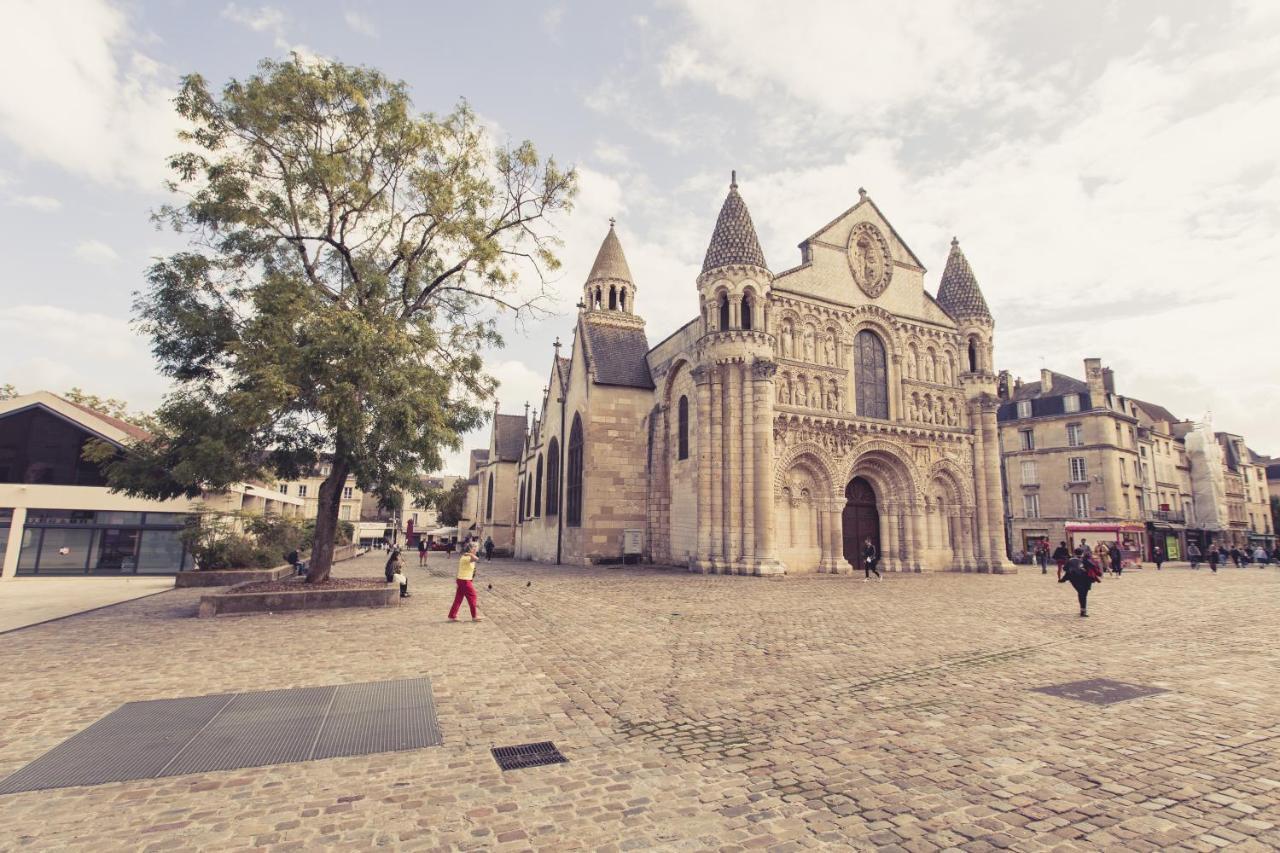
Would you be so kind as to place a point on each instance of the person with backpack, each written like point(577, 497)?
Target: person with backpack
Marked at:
point(870, 556)
point(1060, 556)
point(1082, 574)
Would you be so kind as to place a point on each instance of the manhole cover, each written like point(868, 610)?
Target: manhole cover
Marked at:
point(527, 755)
point(1099, 691)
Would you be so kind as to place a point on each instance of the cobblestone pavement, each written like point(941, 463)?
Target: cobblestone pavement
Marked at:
point(700, 713)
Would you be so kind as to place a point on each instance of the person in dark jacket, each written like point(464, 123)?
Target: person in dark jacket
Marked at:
point(1042, 556)
point(1214, 557)
point(1060, 556)
point(870, 556)
point(1235, 556)
point(1082, 577)
point(1157, 554)
point(1117, 559)
point(1193, 554)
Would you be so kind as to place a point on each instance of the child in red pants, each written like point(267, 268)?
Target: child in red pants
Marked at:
point(466, 589)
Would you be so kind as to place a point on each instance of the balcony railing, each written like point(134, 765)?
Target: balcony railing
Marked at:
point(1169, 515)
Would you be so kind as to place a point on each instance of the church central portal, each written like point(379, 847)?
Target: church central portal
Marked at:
point(860, 520)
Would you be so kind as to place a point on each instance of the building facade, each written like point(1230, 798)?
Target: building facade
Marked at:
point(795, 416)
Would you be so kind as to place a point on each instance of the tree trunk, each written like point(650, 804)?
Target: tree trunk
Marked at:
point(328, 503)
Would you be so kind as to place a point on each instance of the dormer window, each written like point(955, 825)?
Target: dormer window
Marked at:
point(1024, 409)
point(1071, 403)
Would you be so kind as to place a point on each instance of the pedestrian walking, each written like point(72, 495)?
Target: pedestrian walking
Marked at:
point(1193, 554)
point(1214, 558)
point(488, 547)
point(422, 550)
point(1060, 556)
point(1103, 556)
point(1157, 554)
point(1042, 554)
point(870, 556)
point(1082, 575)
point(466, 588)
point(1117, 559)
point(1260, 556)
point(1235, 556)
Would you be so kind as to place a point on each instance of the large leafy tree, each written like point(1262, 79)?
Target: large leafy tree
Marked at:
point(347, 261)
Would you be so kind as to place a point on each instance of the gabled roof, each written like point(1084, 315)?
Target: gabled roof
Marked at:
point(509, 436)
point(734, 239)
point(104, 426)
point(562, 369)
point(1156, 413)
point(616, 354)
point(865, 199)
point(1062, 384)
point(959, 294)
point(611, 263)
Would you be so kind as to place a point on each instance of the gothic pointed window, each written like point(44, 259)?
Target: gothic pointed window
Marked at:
point(871, 377)
point(573, 486)
point(746, 312)
point(537, 489)
point(683, 420)
point(488, 501)
point(553, 477)
point(520, 514)
point(724, 312)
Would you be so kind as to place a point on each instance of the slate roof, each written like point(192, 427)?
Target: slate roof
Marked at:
point(958, 294)
point(611, 263)
point(134, 432)
point(616, 355)
point(1156, 413)
point(1062, 384)
point(509, 436)
point(562, 368)
point(734, 240)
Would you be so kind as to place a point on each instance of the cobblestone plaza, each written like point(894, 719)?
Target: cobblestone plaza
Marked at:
point(699, 713)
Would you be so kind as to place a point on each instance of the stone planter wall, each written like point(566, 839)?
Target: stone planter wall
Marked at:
point(232, 602)
point(228, 577)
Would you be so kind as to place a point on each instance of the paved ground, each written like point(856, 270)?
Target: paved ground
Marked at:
point(715, 713)
point(27, 601)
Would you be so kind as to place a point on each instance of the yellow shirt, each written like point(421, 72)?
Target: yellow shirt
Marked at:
point(466, 567)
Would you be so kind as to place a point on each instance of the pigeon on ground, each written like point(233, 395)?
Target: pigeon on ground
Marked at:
point(529, 584)
point(490, 586)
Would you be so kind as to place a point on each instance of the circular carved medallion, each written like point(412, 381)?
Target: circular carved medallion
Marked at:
point(869, 259)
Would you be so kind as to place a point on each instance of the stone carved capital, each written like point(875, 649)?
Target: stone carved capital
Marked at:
point(701, 375)
point(763, 369)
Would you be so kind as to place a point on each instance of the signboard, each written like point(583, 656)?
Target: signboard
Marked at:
point(632, 542)
point(1172, 550)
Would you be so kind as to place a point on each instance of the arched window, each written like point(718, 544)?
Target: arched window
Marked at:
point(573, 488)
point(597, 302)
point(746, 312)
point(613, 298)
point(520, 510)
point(553, 477)
point(622, 299)
point(528, 496)
point(973, 355)
point(488, 501)
point(870, 376)
point(683, 418)
point(724, 312)
point(537, 488)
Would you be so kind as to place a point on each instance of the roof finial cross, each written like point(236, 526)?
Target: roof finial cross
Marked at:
point(862, 193)
point(733, 179)
point(612, 222)
point(557, 341)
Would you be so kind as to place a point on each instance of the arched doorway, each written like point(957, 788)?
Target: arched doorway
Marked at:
point(859, 520)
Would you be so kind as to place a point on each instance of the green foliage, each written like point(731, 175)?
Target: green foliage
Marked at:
point(343, 534)
point(217, 541)
point(107, 405)
point(452, 503)
point(7, 391)
point(347, 257)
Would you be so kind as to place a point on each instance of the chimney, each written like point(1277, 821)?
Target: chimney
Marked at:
point(1109, 380)
point(1046, 380)
point(1004, 385)
point(1093, 376)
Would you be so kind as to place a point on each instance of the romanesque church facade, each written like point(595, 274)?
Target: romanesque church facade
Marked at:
point(796, 415)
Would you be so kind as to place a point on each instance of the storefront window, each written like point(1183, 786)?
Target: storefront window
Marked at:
point(119, 518)
point(160, 552)
point(77, 541)
point(65, 550)
point(30, 550)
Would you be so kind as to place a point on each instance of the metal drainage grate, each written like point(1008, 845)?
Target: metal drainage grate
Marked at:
point(1099, 691)
point(171, 737)
point(527, 755)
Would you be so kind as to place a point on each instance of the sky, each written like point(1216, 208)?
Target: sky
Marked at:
point(1110, 168)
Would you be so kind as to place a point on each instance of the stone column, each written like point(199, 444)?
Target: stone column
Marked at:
point(702, 380)
point(981, 551)
point(733, 468)
point(917, 536)
point(895, 387)
point(762, 372)
point(994, 508)
point(888, 538)
point(746, 421)
point(836, 517)
point(9, 568)
point(716, 479)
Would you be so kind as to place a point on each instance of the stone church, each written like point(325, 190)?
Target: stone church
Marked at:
point(797, 414)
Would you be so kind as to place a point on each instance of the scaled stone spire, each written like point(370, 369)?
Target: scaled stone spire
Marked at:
point(611, 264)
point(734, 240)
point(959, 294)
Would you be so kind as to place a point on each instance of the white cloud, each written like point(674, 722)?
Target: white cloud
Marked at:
point(100, 108)
point(360, 23)
point(96, 252)
point(42, 203)
point(46, 347)
point(261, 19)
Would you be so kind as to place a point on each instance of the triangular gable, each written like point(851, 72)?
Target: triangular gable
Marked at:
point(822, 235)
point(101, 426)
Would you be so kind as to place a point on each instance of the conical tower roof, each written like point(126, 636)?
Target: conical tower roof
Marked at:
point(734, 240)
point(959, 294)
point(611, 264)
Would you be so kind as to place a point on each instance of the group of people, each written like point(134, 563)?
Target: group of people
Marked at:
point(1105, 557)
point(465, 580)
point(1218, 555)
